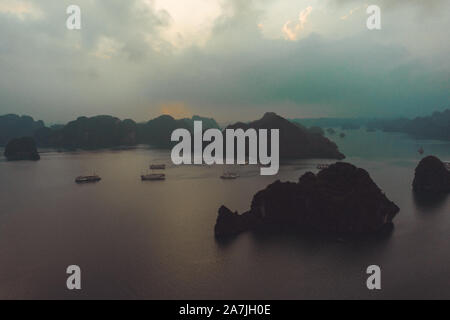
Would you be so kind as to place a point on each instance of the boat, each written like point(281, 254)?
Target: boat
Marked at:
point(88, 179)
point(229, 176)
point(421, 151)
point(153, 177)
point(323, 166)
point(158, 167)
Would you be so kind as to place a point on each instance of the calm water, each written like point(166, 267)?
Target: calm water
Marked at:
point(155, 239)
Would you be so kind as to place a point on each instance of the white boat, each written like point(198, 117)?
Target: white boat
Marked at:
point(158, 167)
point(323, 166)
point(88, 179)
point(229, 176)
point(153, 177)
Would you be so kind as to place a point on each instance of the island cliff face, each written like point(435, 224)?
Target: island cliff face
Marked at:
point(296, 142)
point(339, 200)
point(431, 177)
point(14, 126)
point(22, 149)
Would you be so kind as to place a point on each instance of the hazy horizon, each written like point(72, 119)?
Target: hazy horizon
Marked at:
point(229, 60)
point(221, 123)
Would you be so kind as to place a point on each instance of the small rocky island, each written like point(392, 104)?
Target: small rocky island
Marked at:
point(341, 200)
point(431, 177)
point(21, 149)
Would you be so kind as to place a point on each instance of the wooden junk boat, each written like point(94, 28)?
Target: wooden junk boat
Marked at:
point(153, 177)
point(158, 167)
point(88, 179)
point(229, 176)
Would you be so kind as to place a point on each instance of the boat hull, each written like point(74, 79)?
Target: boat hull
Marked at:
point(229, 177)
point(88, 179)
point(153, 177)
point(158, 167)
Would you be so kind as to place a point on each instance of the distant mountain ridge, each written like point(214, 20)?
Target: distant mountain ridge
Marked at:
point(96, 132)
point(106, 131)
point(436, 126)
point(343, 123)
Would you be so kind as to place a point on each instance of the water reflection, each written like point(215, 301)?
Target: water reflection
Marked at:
point(429, 203)
point(156, 240)
point(292, 236)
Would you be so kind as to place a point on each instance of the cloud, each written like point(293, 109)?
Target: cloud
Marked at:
point(20, 9)
point(292, 30)
point(350, 13)
point(121, 63)
point(107, 48)
point(315, 75)
point(424, 6)
point(190, 23)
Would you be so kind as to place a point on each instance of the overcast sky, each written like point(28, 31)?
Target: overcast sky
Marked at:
point(227, 59)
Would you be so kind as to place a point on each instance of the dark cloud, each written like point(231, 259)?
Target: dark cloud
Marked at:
point(345, 77)
point(56, 74)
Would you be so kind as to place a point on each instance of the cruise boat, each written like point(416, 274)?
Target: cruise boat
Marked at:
point(88, 179)
point(153, 177)
point(158, 167)
point(229, 176)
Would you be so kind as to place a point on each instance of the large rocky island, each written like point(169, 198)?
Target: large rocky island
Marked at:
point(431, 177)
point(341, 200)
point(296, 141)
point(21, 149)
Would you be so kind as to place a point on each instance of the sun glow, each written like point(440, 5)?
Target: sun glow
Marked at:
point(191, 21)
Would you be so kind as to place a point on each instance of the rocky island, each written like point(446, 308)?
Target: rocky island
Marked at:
point(434, 126)
point(431, 177)
point(14, 126)
point(21, 149)
point(104, 131)
point(296, 141)
point(341, 200)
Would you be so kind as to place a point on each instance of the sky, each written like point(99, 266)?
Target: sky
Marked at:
point(227, 59)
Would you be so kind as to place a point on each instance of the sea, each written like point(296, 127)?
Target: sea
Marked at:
point(155, 239)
